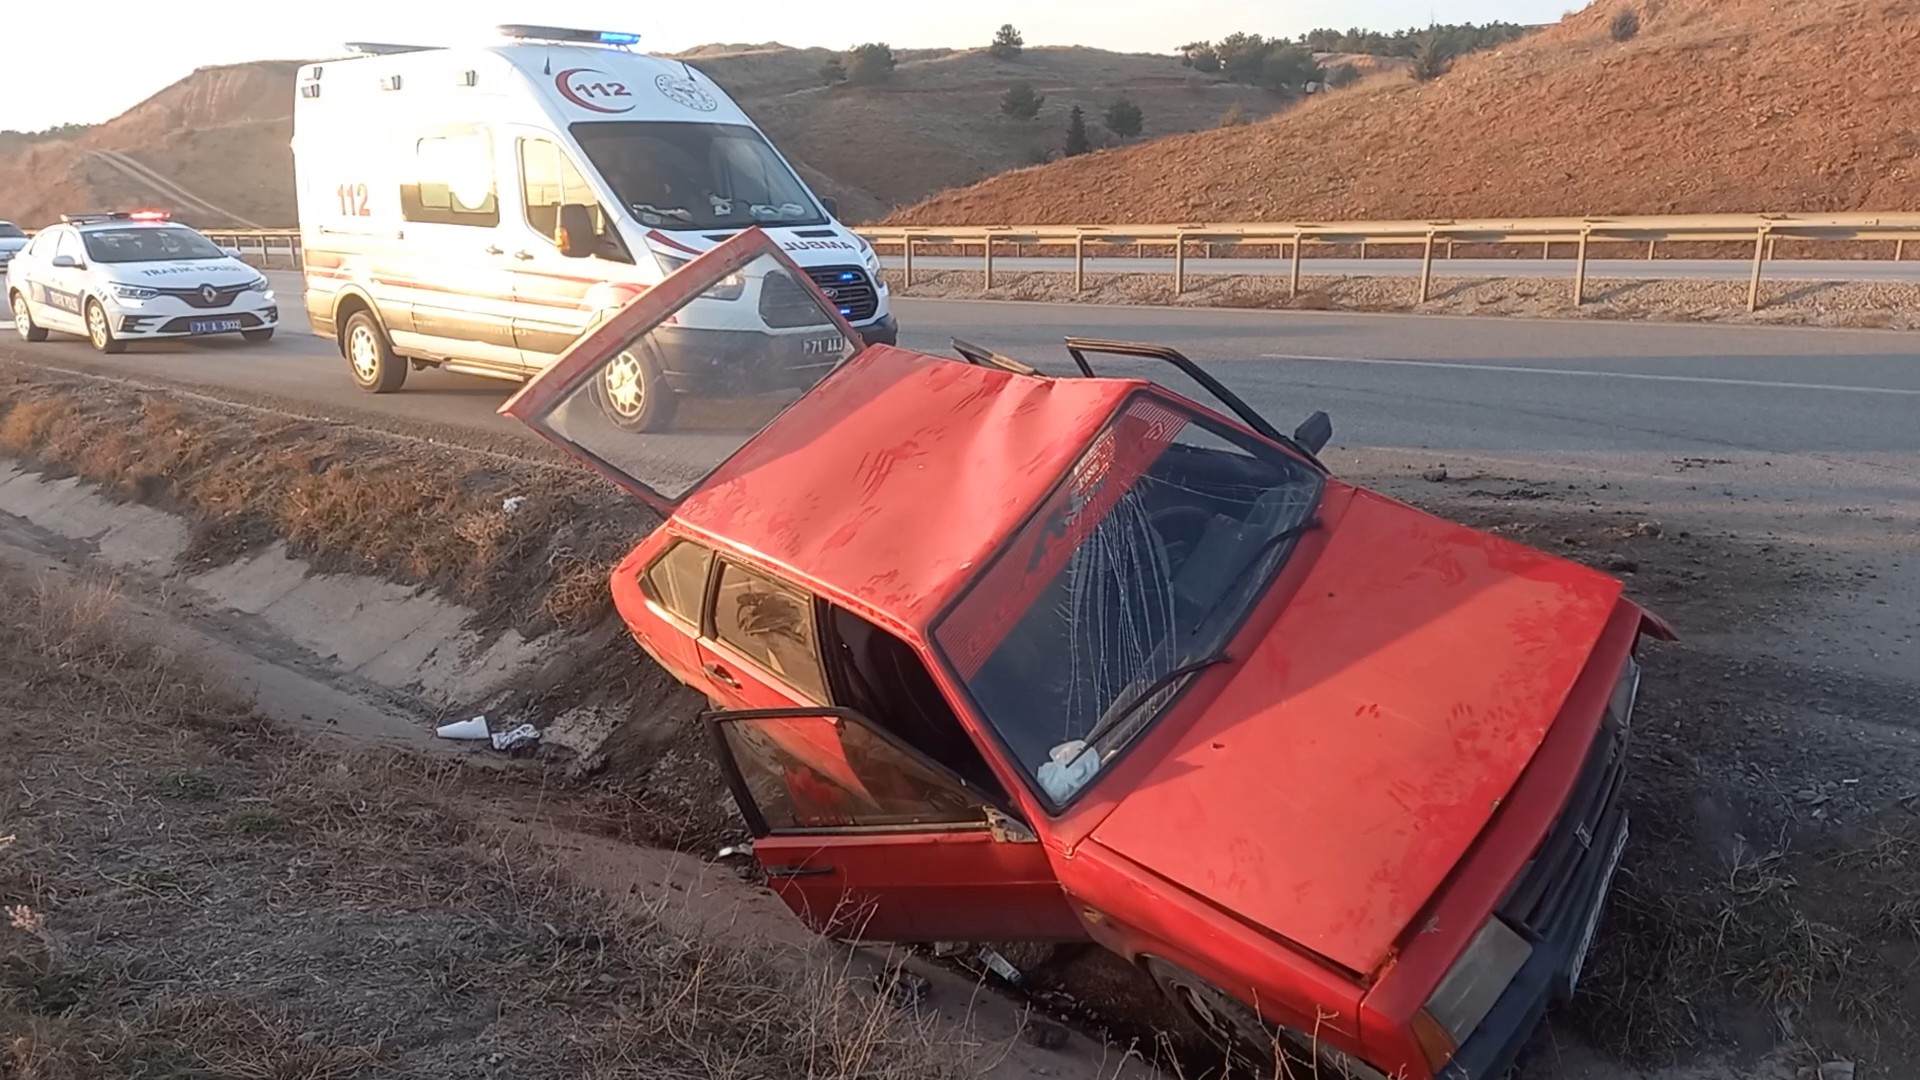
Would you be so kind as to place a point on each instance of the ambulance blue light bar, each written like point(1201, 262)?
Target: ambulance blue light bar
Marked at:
point(561, 33)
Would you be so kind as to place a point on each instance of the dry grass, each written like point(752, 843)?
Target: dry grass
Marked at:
point(189, 892)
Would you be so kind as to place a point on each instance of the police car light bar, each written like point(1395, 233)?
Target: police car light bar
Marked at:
point(117, 215)
point(562, 33)
point(151, 215)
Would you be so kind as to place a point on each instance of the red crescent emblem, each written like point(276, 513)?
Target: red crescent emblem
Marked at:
point(565, 84)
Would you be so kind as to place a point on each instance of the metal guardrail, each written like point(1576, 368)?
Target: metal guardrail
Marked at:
point(1292, 239)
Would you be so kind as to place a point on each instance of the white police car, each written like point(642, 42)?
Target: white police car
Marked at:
point(115, 278)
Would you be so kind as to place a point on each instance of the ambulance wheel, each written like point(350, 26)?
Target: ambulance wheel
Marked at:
point(23, 320)
point(1263, 1049)
point(370, 355)
point(99, 332)
point(633, 394)
point(257, 336)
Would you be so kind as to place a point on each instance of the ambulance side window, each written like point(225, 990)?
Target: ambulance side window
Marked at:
point(452, 181)
point(548, 181)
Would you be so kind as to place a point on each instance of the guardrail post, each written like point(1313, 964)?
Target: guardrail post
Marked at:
point(1762, 243)
point(1546, 250)
point(1771, 240)
point(1650, 244)
point(1899, 250)
point(906, 244)
point(1363, 251)
point(1426, 269)
point(1080, 263)
point(1293, 285)
point(1179, 264)
point(989, 250)
point(1580, 271)
point(1449, 249)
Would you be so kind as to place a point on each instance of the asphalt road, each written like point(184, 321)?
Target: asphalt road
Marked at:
point(1597, 269)
point(1504, 386)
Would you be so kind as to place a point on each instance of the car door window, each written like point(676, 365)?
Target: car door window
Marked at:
point(548, 181)
point(69, 245)
point(677, 580)
point(832, 769)
point(771, 624)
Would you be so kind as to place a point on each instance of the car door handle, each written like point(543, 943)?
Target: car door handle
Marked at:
point(492, 250)
point(523, 256)
point(798, 871)
point(722, 676)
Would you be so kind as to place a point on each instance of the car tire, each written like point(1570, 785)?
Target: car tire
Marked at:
point(1262, 1048)
point(23, 320)
point(100, 332)
point(257, 336)
point(633, 393)
point(370, 356)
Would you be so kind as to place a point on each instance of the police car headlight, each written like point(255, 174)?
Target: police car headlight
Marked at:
point(1478, 978)
point(260, 284)
point(134, 292)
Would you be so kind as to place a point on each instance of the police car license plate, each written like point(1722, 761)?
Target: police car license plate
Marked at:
point(824, 346)
point(213, 326)
point(1593, 920)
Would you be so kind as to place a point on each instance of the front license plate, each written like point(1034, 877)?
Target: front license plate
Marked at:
point(1593, 920)
point(826, 346)
point(213, 326)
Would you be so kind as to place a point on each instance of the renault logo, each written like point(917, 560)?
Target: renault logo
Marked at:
point(209, 293)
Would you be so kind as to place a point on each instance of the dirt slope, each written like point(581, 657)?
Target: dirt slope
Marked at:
point(222, 133)
point(1717, 105)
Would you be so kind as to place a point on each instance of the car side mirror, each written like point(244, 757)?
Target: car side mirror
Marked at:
point(232, 252)
point(575, 234)
point(65, 262)
point(833, 206)
point(1315, 432)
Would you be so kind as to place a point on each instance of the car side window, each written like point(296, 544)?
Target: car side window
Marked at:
point(772, 624)
point(452, 181)
point(68, 243)
point(805, 773)
point(677, 580)
point(548, 181)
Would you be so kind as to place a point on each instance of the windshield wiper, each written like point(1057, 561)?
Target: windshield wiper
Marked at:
point(1266, 548)
point(1146, 694)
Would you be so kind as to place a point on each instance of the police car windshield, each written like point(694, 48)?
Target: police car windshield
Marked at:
point(148, 245)
point(10, 231)
point(675, 175)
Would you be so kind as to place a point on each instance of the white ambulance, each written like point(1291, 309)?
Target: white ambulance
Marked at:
point(478, 209)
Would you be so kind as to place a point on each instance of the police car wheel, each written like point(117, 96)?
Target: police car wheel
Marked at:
point(633, 394)
point(370, 356)
point(100, 332)
point(23, 321)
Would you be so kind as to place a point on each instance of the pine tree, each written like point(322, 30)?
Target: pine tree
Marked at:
point(1077, 142)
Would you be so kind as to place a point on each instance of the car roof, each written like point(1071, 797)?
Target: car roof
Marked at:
point(892, 482)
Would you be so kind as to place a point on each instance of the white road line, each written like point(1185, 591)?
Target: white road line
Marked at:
point(1765, 384)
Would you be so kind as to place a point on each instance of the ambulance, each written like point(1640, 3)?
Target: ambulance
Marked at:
point(479, 209)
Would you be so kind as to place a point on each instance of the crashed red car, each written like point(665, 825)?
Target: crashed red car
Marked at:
point(1001, 656)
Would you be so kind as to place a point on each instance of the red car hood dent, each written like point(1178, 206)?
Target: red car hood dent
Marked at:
point(1364, 742)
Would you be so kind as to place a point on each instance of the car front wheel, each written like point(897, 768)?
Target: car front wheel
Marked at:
point(23, 323)
point(1264, 1049)
point(633, 394)
point(100, 331)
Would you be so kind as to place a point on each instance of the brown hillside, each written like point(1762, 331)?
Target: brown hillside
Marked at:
point(1717, 105)
point(222, 133)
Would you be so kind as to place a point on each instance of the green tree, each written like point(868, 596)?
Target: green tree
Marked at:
point(1200, 56)
point(1341, 76)
point(1431, 57)
point(1077, 141)
point(1007, 43)
point(1626, 26)
point(1020, 102)
point(870, 63)
point(1288, 69)
point(832, 71)
point(1124, 118)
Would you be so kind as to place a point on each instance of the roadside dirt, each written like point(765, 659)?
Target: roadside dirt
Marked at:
point(1764, 920)
point(1869, 305)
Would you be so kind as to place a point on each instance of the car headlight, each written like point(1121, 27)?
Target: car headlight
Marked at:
point(728, 288)
point(1477, 979)
point(134, 292)
point(260, 284)
point(872, 259)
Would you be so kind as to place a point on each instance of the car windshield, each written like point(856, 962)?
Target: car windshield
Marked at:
point(1143, 562)
point(675, 175)
point(148, 245)
point(10, 231)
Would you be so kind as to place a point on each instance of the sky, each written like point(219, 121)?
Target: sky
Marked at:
point(52, 71)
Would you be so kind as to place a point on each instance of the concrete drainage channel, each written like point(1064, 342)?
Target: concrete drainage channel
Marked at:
point(414, 656)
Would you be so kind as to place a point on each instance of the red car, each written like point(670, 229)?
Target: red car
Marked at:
point(999, 656)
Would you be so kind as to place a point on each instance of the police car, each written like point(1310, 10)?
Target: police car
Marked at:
point(116, 278)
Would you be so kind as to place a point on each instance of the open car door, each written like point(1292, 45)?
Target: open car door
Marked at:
point(660, 395)
point(867, 839)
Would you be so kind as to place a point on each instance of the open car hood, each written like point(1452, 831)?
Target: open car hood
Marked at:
point(1362, 744)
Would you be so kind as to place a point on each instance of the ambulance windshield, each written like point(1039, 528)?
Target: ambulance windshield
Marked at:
point(675, 175)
